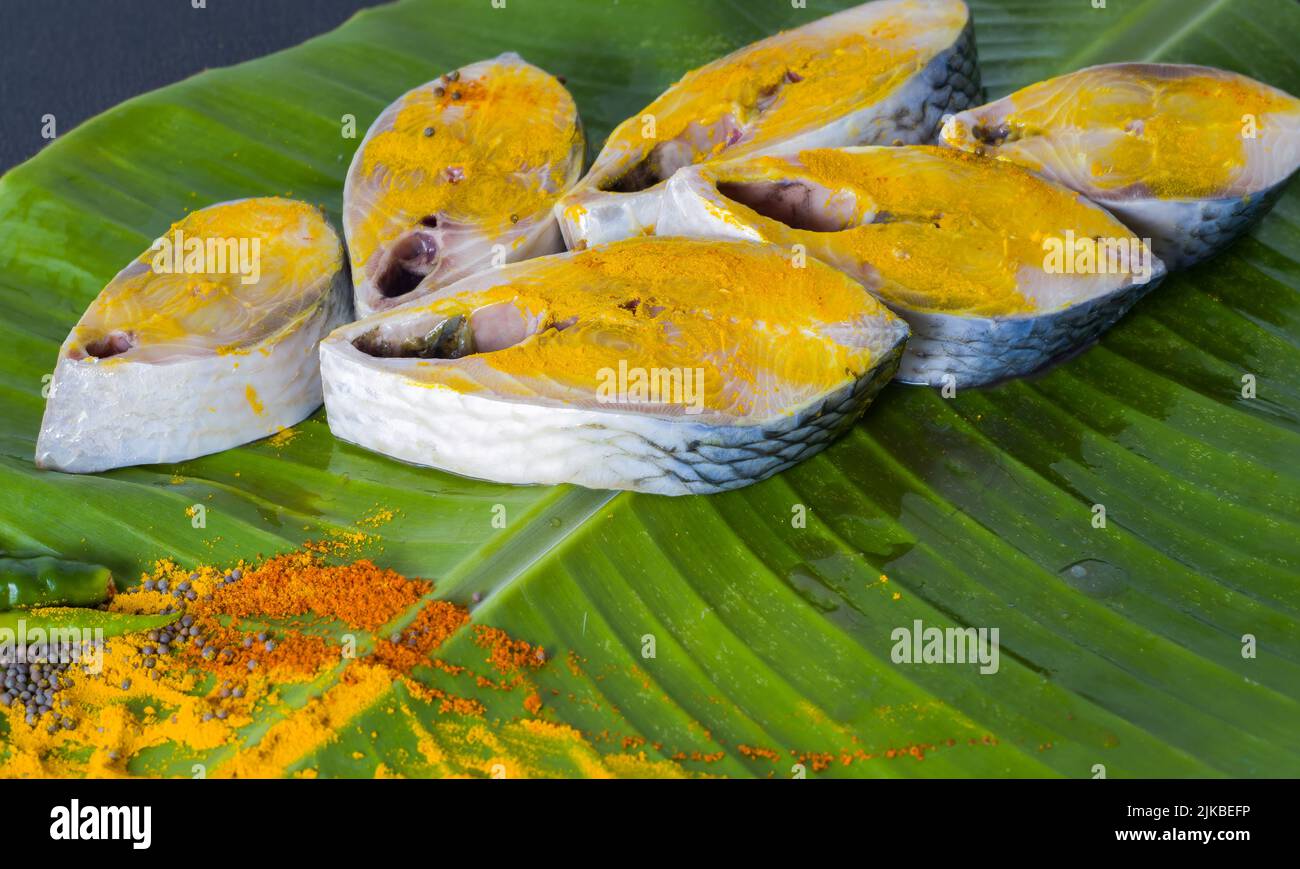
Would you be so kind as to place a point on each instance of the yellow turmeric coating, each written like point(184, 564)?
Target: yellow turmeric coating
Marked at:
point(1168, 132)
point(792, 81)
point(953, 232)
point(488, 150)
point(228, 277)
point(250, 394)
point(744, 315)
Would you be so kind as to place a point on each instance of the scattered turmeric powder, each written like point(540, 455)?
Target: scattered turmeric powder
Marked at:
point(312, 726)
point(340, 542)
point(379, 517)
point(283, 437)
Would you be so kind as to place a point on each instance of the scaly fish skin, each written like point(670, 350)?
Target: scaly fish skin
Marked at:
point(882, 73)
point(459, 174)
point(775, 360)
point(1184, 233)
point(957, 245)
point(165, 367)
point(1189, 156)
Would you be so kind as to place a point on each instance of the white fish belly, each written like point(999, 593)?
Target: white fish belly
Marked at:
point(519, 443)
point(120, 413)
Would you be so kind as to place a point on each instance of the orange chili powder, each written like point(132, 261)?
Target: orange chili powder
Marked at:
point(437, 621)
point(507, 654)
point(360, 594)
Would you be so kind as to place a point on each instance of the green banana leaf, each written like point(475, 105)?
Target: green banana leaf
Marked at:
point(1122, 646)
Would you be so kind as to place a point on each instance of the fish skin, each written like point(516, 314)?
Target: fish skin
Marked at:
point(463, 247)
point(1186, 233)
point(371, 403)
point(944, 348)
point(1183, 231)
point(508, 443)
point(104, 414)
point(982, 351)
point(912, 114)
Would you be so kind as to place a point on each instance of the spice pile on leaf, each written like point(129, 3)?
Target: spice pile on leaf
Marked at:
point(247, 671)
point(750, 259)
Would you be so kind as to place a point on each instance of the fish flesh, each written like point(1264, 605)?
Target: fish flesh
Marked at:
point(457, 175)
point(997, 271)
point(882, 73)
point(1188, 156)
point(661, 365)
point(207, 340)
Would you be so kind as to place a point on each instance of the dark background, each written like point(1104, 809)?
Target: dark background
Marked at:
point(75, 58)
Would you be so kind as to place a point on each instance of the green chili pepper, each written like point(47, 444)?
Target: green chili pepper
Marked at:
point(43, 580)
point(64, 618)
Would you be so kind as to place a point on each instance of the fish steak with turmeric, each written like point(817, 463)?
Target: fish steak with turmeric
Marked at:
point(1191, 157)
point(206, 341)
point(673, 366)
point(880, 73)
point(997, 271)
point(457, 175)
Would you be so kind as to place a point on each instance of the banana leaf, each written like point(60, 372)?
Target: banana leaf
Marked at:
point(1125, 649)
